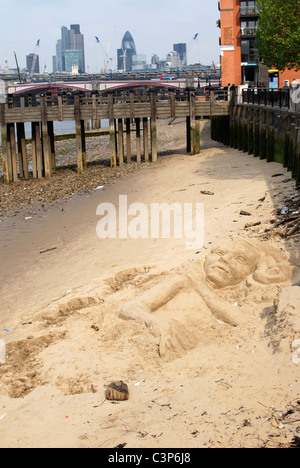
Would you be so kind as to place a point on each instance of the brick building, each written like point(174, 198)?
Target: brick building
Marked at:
point(239, 57)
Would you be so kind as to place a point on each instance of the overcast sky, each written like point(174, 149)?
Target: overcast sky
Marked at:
point(154, 24)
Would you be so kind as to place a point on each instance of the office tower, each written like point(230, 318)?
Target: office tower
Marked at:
point(173, 60)
point(33, 63)
point(70, 50)
point(126, 52)
point(139, 62)
point(181, 50)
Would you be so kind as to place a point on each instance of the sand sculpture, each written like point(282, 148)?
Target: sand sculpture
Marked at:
point(227, 266)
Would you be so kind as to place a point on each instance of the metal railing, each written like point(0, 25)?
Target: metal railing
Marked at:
point(249, 31)
point(278, 97)
point(249, 11)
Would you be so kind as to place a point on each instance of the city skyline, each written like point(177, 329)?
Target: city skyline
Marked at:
point(155, 26)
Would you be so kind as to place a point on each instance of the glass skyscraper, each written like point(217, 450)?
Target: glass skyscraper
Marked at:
point(126, 52)
point(69, 50)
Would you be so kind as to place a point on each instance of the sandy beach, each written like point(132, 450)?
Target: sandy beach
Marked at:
point(202, 382)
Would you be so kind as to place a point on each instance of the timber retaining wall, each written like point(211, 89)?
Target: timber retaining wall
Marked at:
point(268, 133)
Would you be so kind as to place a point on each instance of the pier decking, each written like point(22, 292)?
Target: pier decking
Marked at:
point(119, 108)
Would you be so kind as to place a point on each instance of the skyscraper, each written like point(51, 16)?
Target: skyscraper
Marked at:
point(69, 50)
point(181, 50)
point(126, 52)
point(33, 63)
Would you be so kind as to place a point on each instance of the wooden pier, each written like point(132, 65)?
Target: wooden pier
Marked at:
point(120, 109)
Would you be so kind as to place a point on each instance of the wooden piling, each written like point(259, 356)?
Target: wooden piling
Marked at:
point(231, 119)
point(78, 126)
point(13, 149)
point(138, 139)
point(256, 145)
point(245, 130)
point(112, 132)
point(128, 140)
point(239, 129)
point(33, 151)
point(145, 138)
point(153, 132)
point(22, 149)
point(19, 152)
point(188, 133)
point(60, 108)
point(46, 139)
point(172, 102)
point(192, 130)
point(235, 140)
point(131, 100)
point(94, 110)
point(262, 133)
point(197, 135)
point(39, 155)
point(83, 144)
point(9, 158)
point(50, 126)
point(120, 142)
point(270, 136)
point(4, 144)
point(250, 130)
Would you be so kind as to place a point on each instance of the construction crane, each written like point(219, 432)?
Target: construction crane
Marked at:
point(18, 68)
point(35, 56)
point(107, 58)
point(190, 46)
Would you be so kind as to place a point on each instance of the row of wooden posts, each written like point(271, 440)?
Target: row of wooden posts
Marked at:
point(15, 157)
point(269, 133)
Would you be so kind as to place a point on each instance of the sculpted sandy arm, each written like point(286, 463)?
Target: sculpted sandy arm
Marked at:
point(171, 334)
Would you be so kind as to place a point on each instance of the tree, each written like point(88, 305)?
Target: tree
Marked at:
point(278, 36)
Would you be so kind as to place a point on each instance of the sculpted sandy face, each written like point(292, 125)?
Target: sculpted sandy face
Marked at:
point(229, 265)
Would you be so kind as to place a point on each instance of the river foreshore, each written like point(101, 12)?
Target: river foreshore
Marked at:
point(62, 289)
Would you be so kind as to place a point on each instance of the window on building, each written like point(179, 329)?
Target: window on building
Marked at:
point(248, 7)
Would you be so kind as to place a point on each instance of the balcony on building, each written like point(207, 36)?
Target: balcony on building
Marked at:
point(248, 32)
point(249, 11)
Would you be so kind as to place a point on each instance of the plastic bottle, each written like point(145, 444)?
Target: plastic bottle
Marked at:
point(2, 352)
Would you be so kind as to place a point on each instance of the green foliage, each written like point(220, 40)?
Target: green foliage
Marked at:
point(278, 37)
